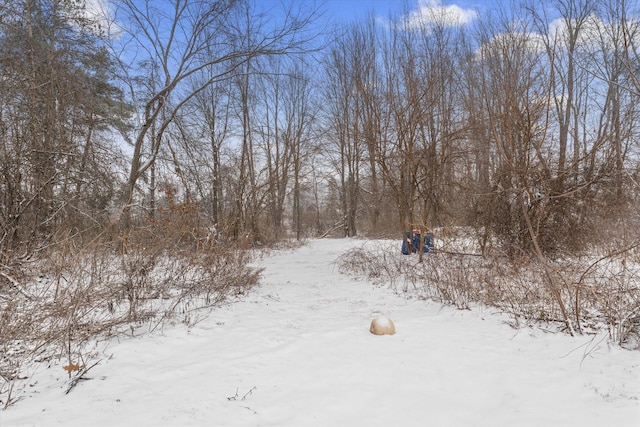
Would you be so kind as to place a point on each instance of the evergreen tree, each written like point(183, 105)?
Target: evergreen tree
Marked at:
point(56, 96)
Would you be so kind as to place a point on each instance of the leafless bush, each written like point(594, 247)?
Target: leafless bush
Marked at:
point(608, 292)
point(599, 294)
point(55, 308)
point(439, 277)
point(376, 263)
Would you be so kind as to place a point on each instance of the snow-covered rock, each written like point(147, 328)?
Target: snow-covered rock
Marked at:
point(382, 325)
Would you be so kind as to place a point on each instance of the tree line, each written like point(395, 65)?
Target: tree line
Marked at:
point(518, 121)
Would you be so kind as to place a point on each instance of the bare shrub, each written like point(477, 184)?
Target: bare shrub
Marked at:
point(608, 292)
point(377, 263)
point(56, 308)
point(439, 277)
point(600, 294)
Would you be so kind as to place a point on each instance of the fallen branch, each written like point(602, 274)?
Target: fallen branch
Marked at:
point(331, 230)
point(440, 251)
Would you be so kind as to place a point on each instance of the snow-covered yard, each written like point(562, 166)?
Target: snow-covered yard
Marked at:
point(297, 352)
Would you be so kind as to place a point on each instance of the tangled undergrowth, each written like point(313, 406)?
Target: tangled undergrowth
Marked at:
point(55, 310)
point(599, 292)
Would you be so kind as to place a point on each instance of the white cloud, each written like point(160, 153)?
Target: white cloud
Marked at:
point(503, 43)
point(592, 30)
point(100, 13)
point(594, 33)
point(431, 12)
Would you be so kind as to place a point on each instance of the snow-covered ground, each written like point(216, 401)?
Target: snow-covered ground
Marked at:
point(297, 352)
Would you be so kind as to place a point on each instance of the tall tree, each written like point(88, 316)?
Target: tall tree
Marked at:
point(59, 99)
point(343, 111)
point(185, 37)
point(299, 120)
point(367, 79)
point(562, 39)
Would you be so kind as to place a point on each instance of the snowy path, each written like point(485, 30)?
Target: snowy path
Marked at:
point(297, 352)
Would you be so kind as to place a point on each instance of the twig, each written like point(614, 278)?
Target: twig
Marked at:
point(249, 393)
point(589, 349)
point(235, 397)
point(79, 377)
point(16, 285)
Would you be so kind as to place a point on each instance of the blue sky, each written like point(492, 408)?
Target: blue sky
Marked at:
point(349, 10)
point(346, 11)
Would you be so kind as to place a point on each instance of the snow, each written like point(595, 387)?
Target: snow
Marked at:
point(297, 352)
point(382, 321)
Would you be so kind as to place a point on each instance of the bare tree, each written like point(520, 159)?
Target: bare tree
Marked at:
point(367, 79)
point(416, 155)
point(297, 134)
point(214, 107)
point(562, 45)
point(180, 36)
point(442, 129)
point(277, 152)
point(630, 33)
point(343, 114)
point(284, 134)
point(617, 55)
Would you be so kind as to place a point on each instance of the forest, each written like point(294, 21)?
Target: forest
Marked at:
point(145, 146)
point(273, 128)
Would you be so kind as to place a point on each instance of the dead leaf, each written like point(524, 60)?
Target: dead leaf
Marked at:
point(71, 367)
